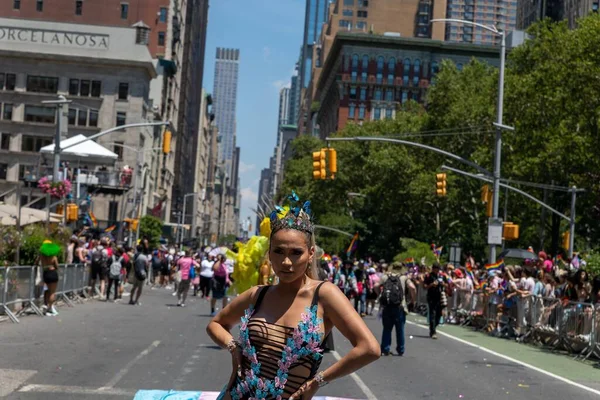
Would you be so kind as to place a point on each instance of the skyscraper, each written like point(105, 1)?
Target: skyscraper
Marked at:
point(225, 102)
point(294, 100)
point(284, 106)
point(315, 17)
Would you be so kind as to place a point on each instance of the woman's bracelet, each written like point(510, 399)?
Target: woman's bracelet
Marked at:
point(320, 379)
point(232, 345)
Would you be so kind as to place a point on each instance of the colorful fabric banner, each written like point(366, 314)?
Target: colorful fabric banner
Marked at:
point(110, 229)
point(409, 262)
point(499, 265)
point(173, 395)
point(353, 245)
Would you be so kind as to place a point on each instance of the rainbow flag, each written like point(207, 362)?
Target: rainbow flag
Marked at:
point(353, 245)
point(110, 229)
point(438, 251)
point(410, 262)
point(499, 265)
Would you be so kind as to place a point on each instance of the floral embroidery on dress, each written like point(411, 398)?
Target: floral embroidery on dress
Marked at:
point(305, 341)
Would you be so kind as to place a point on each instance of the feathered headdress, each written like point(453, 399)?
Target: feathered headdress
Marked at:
point(294, 217)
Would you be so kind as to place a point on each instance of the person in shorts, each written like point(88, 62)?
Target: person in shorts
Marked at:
point(99, 258)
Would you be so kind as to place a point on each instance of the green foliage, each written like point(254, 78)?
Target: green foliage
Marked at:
point(227, 240)
point(417, 250)
point(593, 263)
point(151, 227)
point(551, 99)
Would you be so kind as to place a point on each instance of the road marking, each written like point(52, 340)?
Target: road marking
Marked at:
point(130, 364)
point(524, 364)
point(11, 379)
point(359, 382)
point(77, 390)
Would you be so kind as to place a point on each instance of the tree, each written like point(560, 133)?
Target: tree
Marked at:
point(151, 228)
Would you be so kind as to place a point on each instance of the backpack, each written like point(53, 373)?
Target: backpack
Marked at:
point(115, 269)
point(97, 259)
point(391, 292)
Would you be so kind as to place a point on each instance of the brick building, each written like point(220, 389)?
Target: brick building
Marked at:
point(367, 77)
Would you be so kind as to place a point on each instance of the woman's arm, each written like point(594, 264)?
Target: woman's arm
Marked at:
point(339, 311)
point(219, 328)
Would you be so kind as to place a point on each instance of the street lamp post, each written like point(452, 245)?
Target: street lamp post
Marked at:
point(499, 126)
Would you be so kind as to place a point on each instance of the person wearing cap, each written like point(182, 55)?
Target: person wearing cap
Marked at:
point(434, 283)
point(393, 315)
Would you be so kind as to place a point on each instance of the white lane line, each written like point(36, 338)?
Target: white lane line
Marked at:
point(82, 390)
point(130, 364)
point(359, 382)
point(524, 364)
point(11, 379)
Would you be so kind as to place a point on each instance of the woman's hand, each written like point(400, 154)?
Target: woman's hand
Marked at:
point(236, 361)
point(306, 391)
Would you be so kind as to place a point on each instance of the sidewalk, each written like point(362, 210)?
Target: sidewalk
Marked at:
point(556, 363)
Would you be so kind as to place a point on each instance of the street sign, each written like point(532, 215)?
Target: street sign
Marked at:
point(495, 228)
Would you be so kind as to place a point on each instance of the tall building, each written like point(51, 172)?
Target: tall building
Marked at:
point(368, 77)
point(314, 18)
point(294, 99)
point(284, 106)
point(530, 11)
point(502, 14)
point(225, 102)
point(193, 24)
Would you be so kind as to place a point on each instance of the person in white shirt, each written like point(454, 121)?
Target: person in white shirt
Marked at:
point(206, 275)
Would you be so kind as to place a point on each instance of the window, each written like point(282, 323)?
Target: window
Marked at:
point(121, 118)
point(354, 75)
point(389, 95)
point(348, 2)
point(377, 113)
point(7, 112)
point(347, 12)
point(345, 24)
point(361, 25)
point(7, 81)
point(96, 88)
point(124, 10)
point(32, 143)
point(404, 96)
point(388, 113)
point(41, 114)
point(74, 87)
point(4, 141)
point(459, 66)
point(391, 65)
point(72, 116)
point(361, 112)
point(78, 7)
point(161, 38)
point(434, 69)
point(363, 3)
point(123, 90)
point(3, 169)
point(82, 118)
point(363, 94)
point(361, 14)
point(163, 14)
point(16, 4)
point(93, 118)
point(118, 150)
point(353, 93)
point(363, 76)
point(365, 62)
point(42, 84)
point(355, 61)
point(417, 72)
point(378, 94)
point(39, 5)
point(84, 90)
point(351, 111)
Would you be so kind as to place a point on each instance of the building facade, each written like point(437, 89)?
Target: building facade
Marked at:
point(284, 106)
point(225, 102)
point(368, 77)
point(315, 16)
point(501, 14)
point(531, 11)
point(105, 72)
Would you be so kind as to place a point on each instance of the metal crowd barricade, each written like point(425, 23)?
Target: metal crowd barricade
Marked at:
point(547, 322)
point(577, 333)
point(19, 287)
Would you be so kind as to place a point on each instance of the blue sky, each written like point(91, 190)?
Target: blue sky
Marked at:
point(269, 35)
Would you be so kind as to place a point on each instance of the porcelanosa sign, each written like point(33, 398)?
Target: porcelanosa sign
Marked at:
point(61, 38)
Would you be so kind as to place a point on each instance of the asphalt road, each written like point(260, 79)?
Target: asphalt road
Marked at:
point(101, 350)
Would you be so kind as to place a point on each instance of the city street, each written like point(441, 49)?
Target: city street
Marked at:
point(103, 350)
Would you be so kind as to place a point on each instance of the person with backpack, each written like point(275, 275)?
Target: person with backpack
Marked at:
point(138, 275)
point(114, 274)
point(435, 284)
point(99, 257)
point(393, 310)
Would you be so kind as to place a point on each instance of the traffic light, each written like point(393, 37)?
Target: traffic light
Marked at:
point(332, 162)
point(510, 231)
point(72, 212)
point(487, 198)
point(566, 240)
point(167, 141)
point(134, 224)
point(440, 185)
point(319, 164)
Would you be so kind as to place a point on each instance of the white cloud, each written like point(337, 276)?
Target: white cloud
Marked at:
point(280, 84)
point(249, 196)
point(246, 167)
